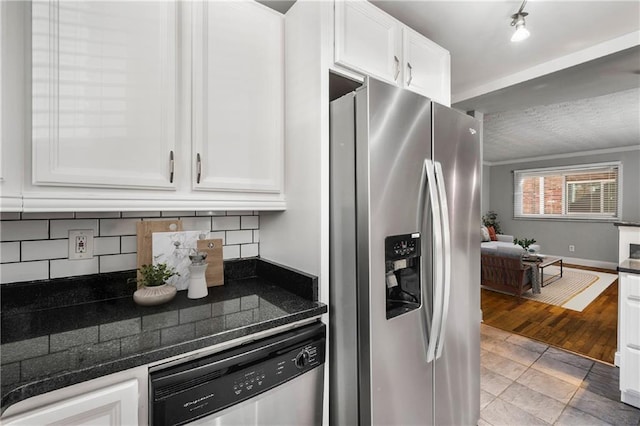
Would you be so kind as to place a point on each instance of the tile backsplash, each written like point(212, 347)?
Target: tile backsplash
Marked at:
point(34, 246)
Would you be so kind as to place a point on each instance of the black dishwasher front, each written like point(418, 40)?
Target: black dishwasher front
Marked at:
point(246, 384)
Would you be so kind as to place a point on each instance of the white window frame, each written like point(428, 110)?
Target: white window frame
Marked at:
point(518, 175)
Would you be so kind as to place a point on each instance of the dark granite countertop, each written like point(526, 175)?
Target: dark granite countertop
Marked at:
point(627, 224)
point(630, 265)
point(63, 332)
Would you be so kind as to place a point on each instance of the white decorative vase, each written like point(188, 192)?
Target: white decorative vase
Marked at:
point(155, 295)
point(197, 282)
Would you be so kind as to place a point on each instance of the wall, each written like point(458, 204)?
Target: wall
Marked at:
point(34, 246)
point(596, 241)
point(485, 200)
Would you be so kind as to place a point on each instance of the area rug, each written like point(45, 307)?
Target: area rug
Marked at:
point(575, 290)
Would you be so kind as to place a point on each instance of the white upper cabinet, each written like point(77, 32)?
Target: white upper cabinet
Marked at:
point(11, 103)
point(371, 42)
point(367, 40)
point(427, 67)
point(104, 93)
point(238, 97)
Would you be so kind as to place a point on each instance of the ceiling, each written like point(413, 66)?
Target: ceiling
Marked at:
point(572, 86)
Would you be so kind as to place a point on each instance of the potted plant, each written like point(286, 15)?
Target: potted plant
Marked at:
point(525, 243)
point(152, 287)
point(491, 219)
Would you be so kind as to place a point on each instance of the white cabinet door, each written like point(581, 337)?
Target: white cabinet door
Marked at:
point(427, 67)
point(630, 338)
point(238, 97)
point(114, 405)
point(367, 40)
point(104, 93)
point(12, 52)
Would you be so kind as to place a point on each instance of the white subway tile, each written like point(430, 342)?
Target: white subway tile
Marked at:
point(239, 237)
point(217, 235)
point(118, 262)
point(249, 250)
point(256, 236)
point(60, 228)
point(141, 214)
point(47, 249)
point(24, 271)
point(211, 213)
point(97, 215)
point(241, 213)
point(49, 215)
point(225, 223)
point(106, 245)
point(10, 216)
point(230, 252)
point(10, 252)
point(249, 222)
point(71, 268)
point(113, 227)
point(21, 230)
point(129, 244)
point(196, 224)
point(178, 213)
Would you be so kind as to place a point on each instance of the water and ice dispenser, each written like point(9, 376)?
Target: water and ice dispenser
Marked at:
point(402, 273)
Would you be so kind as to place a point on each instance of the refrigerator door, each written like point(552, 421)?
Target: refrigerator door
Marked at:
point(393, 132)
point(456, 147)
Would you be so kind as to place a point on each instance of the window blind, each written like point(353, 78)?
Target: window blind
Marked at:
point(581, 192)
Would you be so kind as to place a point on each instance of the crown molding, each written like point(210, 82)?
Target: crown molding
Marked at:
point(567, 155)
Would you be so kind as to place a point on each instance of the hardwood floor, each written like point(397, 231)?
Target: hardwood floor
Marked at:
point(592, 332)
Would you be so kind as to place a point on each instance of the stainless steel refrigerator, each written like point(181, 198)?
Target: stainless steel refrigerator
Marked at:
point(404, 260)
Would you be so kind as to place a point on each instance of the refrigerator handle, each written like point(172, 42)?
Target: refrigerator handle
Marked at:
point(446, 245)
point(433, 326)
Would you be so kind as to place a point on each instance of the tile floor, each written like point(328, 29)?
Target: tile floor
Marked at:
point(525, 382)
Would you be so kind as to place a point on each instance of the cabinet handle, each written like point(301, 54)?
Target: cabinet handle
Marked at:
point(395, 77)
point(198, 168)
point(410, 68)
point(171, 166)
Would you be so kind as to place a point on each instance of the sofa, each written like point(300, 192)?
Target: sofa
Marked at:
point(505, 244)
point(502, 270)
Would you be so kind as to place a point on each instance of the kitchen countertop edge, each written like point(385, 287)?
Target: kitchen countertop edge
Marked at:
point(59, 381)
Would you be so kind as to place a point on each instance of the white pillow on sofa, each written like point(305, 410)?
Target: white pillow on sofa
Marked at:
point(485, 234)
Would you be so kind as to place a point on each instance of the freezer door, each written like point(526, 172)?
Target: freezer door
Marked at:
point(456, 147)
point(393, 132)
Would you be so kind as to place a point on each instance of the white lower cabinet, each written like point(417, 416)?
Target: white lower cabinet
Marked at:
point(110, 406)
point(629, 345)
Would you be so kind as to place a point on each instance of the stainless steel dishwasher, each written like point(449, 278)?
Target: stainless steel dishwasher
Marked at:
point(274, 381)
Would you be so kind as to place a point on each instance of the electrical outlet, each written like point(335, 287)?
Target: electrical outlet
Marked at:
point(572, 248)
point(80, 244)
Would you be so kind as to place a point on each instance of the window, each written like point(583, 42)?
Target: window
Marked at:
point(578, 192)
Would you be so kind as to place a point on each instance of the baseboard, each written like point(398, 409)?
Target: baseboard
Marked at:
point(616, 359)
point(591, 263)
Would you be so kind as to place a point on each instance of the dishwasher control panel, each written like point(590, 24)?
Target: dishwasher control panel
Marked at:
point(201, 387)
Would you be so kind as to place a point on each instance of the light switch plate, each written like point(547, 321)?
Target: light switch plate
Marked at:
point(80, 244)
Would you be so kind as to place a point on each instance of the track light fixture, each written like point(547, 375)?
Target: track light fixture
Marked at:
point(517, 20)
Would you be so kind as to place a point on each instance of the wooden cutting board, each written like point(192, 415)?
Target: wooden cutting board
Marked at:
point(144, 229)
point(214, 274)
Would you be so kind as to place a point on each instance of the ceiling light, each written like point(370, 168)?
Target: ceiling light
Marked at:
point(517, 20)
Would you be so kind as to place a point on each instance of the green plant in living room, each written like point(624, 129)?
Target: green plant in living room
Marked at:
point(491, 219)
point(155, 275)
point(524, 243)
